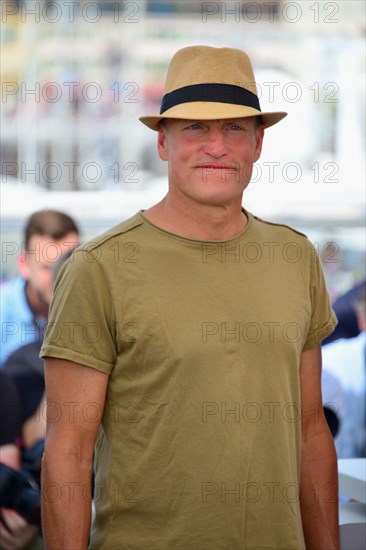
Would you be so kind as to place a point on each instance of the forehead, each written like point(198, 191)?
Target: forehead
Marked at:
point(44, 240)
point(44, 251)
point(176, 123)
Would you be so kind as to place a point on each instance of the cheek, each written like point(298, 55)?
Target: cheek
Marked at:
point(32, 272)
point(40, 278)
point(248, 153)
point(176, 159)
point(184, 155)
point(47, 277)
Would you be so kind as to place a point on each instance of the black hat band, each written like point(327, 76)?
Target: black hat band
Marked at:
point(220, 93)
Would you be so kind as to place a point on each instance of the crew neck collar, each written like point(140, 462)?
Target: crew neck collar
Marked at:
point(199, 241)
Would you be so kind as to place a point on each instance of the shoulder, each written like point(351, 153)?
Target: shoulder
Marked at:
point(279, 230)
point(13, 285)
point(105, 251)
point(289, 241)
point(124, 229)
point(25, 359)
point(353, 294)
point(12, 294)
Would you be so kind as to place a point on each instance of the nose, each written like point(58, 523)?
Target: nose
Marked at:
point(215, 144)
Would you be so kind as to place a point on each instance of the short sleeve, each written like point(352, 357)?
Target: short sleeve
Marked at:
point(82, 323)
point(323, 320)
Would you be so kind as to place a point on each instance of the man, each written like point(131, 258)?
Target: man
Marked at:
point(48, 234)
point(195, 358)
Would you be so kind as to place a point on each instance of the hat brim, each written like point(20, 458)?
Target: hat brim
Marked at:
point(210, 110)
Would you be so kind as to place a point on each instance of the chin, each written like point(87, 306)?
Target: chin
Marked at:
point(219, 200)
point(220, 194)
point(44, 298)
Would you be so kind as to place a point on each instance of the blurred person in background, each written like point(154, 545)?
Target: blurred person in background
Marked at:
point(25, 369)
point(22, 434)
point(16, 531)
point(348, 322)
point(344, 384)
point(48, 234)
point(162, 365)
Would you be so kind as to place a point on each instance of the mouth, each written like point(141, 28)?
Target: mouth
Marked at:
point(215, 166)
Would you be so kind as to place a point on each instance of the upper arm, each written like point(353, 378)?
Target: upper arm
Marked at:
point(75, 402)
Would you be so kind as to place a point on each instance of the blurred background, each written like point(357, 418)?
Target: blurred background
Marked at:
point(76, 75)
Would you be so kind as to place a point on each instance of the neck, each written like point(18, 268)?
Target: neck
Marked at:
point(37, 305)
point(203, 222)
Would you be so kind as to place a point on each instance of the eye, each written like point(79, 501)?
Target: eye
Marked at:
point(235, 127)
point(194, 129)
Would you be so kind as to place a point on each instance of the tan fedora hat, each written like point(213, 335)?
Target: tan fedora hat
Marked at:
point(207, 83)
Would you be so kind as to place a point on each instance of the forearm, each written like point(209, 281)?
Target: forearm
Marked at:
point(68, 460)
point(319, 491)
point(66, 498)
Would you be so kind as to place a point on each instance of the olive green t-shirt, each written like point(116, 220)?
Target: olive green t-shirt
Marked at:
point(199, 445)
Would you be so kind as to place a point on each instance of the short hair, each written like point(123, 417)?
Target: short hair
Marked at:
point(49, 223)
point(259, 121)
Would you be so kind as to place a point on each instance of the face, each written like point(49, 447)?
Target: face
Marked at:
point(36, 264)
point(210, 161)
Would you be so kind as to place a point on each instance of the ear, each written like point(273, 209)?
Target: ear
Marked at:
point(162, 143)
point(22, 264)
point(259, 142)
